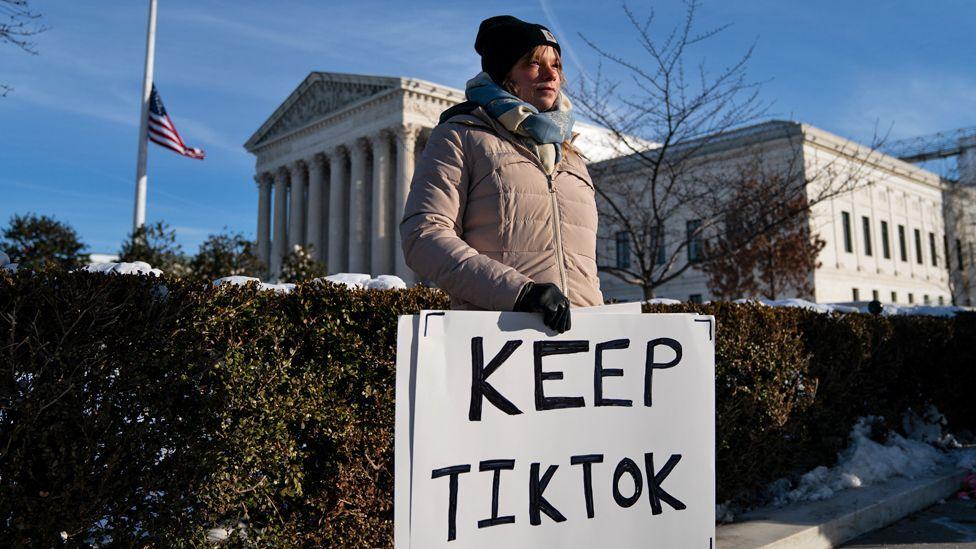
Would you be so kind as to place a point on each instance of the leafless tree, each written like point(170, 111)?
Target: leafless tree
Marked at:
point(676, 184)
point(959, 210)
point(779, 261)
point(18, 26)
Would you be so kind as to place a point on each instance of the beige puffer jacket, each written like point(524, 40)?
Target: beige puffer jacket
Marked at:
point(482, 218)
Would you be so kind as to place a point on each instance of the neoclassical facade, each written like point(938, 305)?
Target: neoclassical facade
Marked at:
point(335, 160)
point(334, 164)
point(333, 168)
point(885, 237)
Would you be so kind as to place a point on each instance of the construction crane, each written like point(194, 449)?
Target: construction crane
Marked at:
point(929, 147)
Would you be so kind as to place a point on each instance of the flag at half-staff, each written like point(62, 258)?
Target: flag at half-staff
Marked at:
point(162, 131)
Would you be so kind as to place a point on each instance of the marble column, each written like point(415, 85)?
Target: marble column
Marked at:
point(279, 242)
point(296, 210)
point(316, 184)
point(264, 218)
point(358, 227)
point(406, 138)
point(381, 243)
point(324, 210)
point(338, 212)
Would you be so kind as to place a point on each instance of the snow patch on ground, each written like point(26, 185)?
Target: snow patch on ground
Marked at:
point(123, 268)
point(238, 280)
point(361, 280)
point(865, 462)
point(966, 459)
point(927, 427)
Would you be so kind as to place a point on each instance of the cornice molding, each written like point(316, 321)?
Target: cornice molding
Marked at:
point(405, 89)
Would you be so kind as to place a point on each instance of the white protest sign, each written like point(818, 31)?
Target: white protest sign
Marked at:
point(509, 435)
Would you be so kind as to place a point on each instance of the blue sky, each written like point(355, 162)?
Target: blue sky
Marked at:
point(68, 130)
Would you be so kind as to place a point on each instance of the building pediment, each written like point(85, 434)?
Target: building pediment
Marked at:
point(320, 95)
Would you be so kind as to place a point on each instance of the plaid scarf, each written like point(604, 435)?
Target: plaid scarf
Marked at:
point(541, 132)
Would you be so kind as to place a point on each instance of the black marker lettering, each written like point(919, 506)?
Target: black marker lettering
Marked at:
point(496, 465)
point(650, 365)
point(655, 492)
point(627, 465)
point(587, 462)
point(479, 374)
point(546, 348)
point(537, 502)
point(599, 372)
point(452, 472)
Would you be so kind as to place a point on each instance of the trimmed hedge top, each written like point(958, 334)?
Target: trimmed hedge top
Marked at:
point(150, 410)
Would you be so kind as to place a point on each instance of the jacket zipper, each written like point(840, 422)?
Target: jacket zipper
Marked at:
point(560, 257)
point(559, 239)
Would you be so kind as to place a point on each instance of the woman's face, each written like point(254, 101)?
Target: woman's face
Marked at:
point(536, 78)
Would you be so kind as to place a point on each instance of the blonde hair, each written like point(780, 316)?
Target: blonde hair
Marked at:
point(511, 87)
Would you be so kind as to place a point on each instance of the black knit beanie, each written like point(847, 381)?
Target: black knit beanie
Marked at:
point(502, 40)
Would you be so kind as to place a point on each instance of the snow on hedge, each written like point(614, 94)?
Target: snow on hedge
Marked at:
point(5, 263)
point(238, 280)
point(661, 301)
point(360, 280)
point(888, 309)
point(891, 309)
point(350, 280)
point(123, 268)
point(802, 304)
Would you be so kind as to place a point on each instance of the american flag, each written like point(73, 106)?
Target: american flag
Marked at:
point(163, 132)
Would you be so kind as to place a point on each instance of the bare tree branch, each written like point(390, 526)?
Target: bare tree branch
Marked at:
point(673, 129)
point(18, 24)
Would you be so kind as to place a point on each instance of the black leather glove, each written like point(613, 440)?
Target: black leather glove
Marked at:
point(545, 298)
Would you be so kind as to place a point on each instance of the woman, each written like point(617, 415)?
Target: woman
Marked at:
point(501, 212)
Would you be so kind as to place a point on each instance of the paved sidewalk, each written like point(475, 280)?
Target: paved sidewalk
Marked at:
point(942, 526)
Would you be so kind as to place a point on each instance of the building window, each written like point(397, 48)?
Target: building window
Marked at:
point(846, 223)
point(925, 299)
point(623, 250)
point(959, 261)
point(902, 246)
point(911, 298)
point(874, 295)
point(857, 294)
point(885, 245)
point(945, 248)
point(918, 246)
point(695, 251)
point(894, 297)
point(941, 300)
point(658, 243)
point(935, 258)
point(695, 298)
point(866, 225)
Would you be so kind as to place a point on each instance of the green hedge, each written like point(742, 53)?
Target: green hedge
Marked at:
point(150, 410)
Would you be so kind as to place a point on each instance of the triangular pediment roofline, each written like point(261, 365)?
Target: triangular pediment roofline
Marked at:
point(323, 95)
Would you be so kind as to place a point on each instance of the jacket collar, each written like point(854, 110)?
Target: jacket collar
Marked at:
point(478, 117)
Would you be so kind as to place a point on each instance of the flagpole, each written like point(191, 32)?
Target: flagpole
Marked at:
point(139, 215)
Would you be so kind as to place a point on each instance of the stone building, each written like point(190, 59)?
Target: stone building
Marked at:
point(334, 164)
point(884, 239)
point(335, 160)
